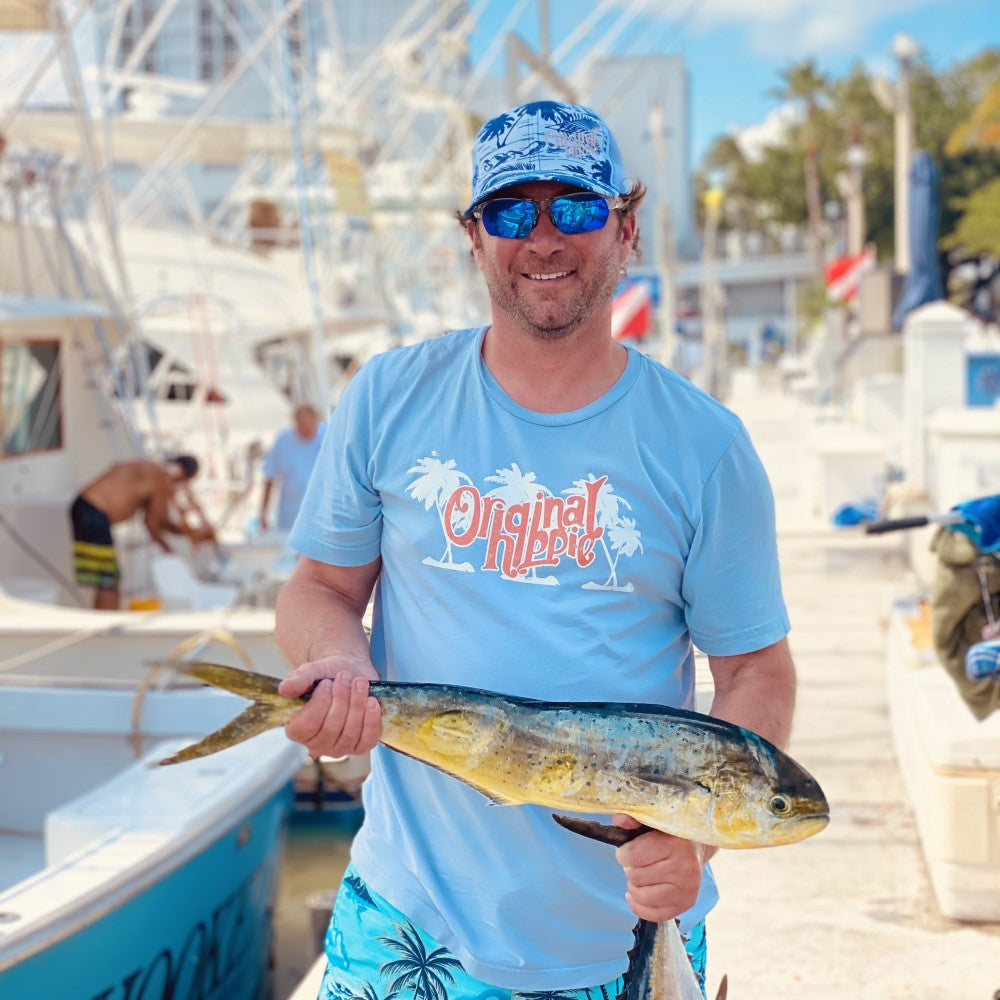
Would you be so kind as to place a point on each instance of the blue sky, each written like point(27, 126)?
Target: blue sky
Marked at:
point(735, 49)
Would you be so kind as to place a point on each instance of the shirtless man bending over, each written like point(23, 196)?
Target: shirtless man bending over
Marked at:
point(159, 489)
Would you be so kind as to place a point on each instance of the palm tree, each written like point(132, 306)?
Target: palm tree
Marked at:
point(436, 482)
point(369, 992)
point(517, 487)
point(625, 540)
point(607, 516)
point(548, 995)
point(425, 973)
point(981, 130)
point(803, 83)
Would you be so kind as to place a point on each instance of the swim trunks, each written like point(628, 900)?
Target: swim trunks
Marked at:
point(94, 559)
point(370, 945)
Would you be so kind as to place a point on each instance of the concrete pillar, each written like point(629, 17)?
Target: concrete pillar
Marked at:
point(934, 372)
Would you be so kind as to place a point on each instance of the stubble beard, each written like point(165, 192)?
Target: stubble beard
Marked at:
point(556, 319)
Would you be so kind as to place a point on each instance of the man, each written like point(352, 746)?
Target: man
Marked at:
point(159, 490)
point(544, 512)
point(290, 460)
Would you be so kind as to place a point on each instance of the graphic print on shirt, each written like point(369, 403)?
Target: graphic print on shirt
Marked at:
point(524, 529)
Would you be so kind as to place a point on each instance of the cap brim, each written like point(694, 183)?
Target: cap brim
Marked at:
point(532, 176)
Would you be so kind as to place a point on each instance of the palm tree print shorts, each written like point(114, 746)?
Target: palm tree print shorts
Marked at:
point(374, 952)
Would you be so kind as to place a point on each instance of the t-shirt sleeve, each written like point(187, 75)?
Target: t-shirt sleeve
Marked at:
point(340, 519)
point(732, 581)
point(269, 467)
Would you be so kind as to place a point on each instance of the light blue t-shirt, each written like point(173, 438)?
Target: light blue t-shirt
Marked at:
point(561, 556)
point(291, 460)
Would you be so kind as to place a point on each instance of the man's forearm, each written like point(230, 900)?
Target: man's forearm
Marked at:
point(313, 622)
point(757, 691)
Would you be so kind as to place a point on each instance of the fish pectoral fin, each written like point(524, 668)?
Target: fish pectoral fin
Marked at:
point(670, 780)
point(604, 833)
point(256, 719)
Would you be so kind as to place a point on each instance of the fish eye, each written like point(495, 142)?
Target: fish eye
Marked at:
point(779, 805)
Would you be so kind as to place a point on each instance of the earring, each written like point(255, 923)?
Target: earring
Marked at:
point(623, 271)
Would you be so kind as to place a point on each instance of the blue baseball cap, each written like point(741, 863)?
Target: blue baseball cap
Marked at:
point(546, 141)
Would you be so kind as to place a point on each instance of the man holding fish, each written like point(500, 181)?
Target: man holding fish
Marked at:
point(544, 512)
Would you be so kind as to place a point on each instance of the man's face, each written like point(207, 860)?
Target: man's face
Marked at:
point(306, 424)
point(550, 284)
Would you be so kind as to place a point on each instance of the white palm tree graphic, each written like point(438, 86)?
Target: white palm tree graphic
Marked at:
point(520, 487)
point(436, 482)
point(619, 531)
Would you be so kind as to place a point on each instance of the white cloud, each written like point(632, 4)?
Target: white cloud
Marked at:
point(769, 132)
point(797, 29)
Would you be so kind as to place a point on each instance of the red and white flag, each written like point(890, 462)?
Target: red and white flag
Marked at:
point(843, 276)
point(632, 312)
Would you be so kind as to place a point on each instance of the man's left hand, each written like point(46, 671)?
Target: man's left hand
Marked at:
point(663, 871)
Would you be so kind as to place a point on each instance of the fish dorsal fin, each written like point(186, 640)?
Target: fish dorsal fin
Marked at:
point(256, 719)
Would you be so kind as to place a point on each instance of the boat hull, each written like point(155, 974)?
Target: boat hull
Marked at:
point(135, 882)
point(203, 931)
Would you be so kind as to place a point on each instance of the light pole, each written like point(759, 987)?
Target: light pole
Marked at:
point(853, 194)
point(713, 333)
point(663, 244)
point(905, 49)
point(896, 100)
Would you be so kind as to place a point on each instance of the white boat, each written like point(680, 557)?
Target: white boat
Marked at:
point(119, 878)
point(60, 430)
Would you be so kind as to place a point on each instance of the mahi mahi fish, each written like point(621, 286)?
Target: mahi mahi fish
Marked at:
point(681, 772)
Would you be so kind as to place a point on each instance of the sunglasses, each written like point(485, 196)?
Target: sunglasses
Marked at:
point(571, 214)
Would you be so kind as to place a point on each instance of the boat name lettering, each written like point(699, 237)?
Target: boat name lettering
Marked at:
point(204, 965)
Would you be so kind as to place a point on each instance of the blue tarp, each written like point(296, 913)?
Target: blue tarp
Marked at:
point(980, 522)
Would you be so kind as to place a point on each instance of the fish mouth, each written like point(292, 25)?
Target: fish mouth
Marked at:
point(805, 824)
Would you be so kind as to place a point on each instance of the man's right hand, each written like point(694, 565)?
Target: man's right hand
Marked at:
point(341, 717)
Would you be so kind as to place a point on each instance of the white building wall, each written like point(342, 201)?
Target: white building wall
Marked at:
point(625, 89)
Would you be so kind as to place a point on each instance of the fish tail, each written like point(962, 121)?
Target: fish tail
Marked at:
point(246, 683)
point(252, 721)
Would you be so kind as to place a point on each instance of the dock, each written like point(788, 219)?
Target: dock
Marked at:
point(849, 913)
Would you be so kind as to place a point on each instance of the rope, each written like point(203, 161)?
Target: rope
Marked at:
point(186, 650)
point(18, 539)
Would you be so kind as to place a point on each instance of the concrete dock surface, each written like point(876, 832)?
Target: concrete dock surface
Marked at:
point(849, 913)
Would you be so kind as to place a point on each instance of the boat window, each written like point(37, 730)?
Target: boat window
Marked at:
point(180, 383)
point(30, 405)
point(136, 369)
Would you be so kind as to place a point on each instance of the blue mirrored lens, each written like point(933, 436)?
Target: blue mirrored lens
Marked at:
point(511, 218)
point(571, 214)
point(578, 213)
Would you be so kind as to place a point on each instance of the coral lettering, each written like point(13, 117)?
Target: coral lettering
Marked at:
point(527, 535)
